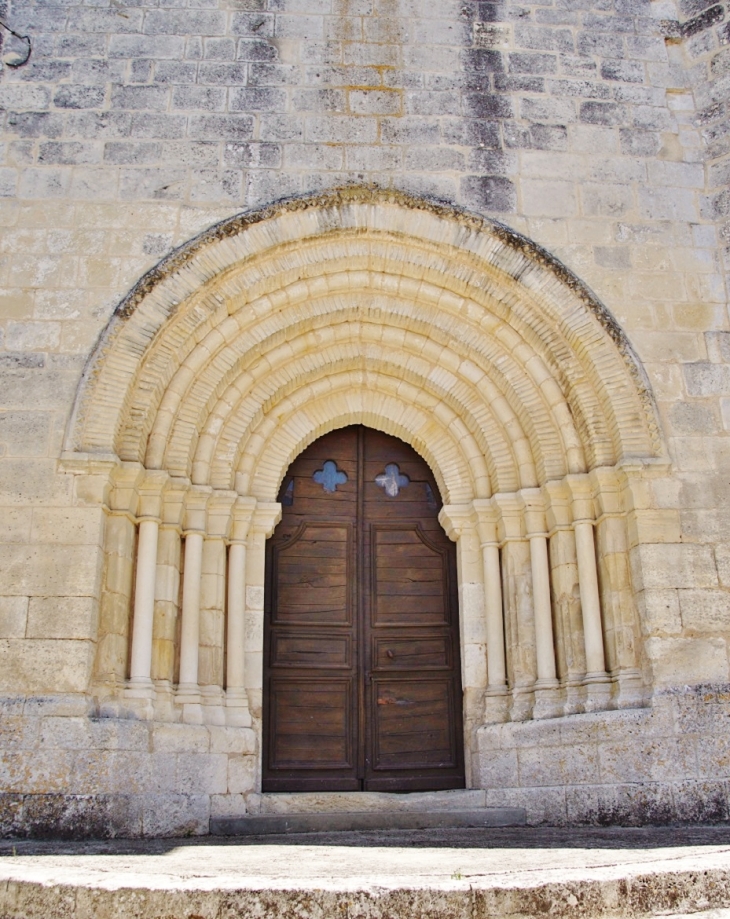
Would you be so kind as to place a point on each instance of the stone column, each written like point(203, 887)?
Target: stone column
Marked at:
point(188, 691)
point(116, 603)
point(495, 706)
point(565, 592)
point(237, 710)
point(265, 518)
point(212, 628)
point(140, 684)
point(596, 678)
point(213, 606)
point(167, 600)
point(621, 619)
point(460, 523)
point(518, 608)
point(547, 702)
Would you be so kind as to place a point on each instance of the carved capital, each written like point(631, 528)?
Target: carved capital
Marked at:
point(487, 516)
point(220, 517)
point(265, 518)
point(455, 518)
point(511, 509)
point(243, 511)
point(149, 492)
point(196, 505)
point(581, 490)
point(557, 505)
point(535, 522)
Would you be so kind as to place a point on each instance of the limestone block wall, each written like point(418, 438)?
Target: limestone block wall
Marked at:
point(667, 763)
point(597, 129)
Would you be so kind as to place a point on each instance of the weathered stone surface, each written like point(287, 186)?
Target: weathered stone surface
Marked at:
point(600, 132)
point(595, 873)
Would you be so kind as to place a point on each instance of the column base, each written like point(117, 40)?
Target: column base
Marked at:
point(598, 692)
point(523, 701)
point(548, 700)
point(164, 701)
point(237, 711)
point(139, 698)
point(575, 698)
point(631, 692)
point(189, 699)
point(212, 698)
point(139, 688)
point(496, 706)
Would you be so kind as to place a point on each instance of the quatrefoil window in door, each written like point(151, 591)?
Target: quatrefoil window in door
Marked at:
point(329, 477)
point(391, 480)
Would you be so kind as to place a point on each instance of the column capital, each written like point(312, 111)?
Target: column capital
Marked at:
point(607, 489)
point(487, 520)
point(220, 506)
point(149, 491)
point(243, 512)
point(535, 523)
point(581, 490)
point(265, 517)
point(195, 511)
point(557, 505)
point(455, 518)
point(173, 501)
point(511, 516)
point(124, 481)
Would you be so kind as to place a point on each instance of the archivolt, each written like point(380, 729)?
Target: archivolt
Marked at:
point(445, 329)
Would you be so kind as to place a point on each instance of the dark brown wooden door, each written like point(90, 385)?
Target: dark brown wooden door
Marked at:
point(362, 685)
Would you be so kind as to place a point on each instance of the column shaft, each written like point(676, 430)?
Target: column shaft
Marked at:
point(590, 598)
point(235, 675)
point(496, 665)
point(190, 633)
point(144, 602)
point(545, 649)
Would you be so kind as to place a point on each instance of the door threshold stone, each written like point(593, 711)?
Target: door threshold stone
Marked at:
point(352, 802)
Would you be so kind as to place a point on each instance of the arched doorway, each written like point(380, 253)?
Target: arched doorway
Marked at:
point(362, 684)
point(455, 335)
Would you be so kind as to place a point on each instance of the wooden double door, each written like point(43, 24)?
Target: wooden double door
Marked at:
point(362, 687)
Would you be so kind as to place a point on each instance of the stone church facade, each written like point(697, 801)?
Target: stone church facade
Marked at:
point(497, 231)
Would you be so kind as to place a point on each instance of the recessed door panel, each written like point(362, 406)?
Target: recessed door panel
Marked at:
point(303, 649)
point(413, 724)
point(409, 579)
point(362, 676)
point(312, 575)
point(402, 652)
point(311, 724)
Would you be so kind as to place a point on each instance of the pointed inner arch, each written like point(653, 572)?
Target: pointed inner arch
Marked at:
point(444, 331)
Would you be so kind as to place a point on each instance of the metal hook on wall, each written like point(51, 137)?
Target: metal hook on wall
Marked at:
point(16, 58)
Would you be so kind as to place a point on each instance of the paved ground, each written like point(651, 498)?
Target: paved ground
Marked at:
point(475, 873)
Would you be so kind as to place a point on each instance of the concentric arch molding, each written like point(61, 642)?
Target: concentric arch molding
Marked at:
point(514, 341)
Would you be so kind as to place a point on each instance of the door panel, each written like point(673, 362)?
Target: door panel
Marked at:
point(362, 673)
point(311, 724)
point(401, 651)
point(291, 649)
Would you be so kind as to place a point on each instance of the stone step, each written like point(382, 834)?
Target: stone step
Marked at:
point(352, 802)
point(572, 873)
point(284, 824)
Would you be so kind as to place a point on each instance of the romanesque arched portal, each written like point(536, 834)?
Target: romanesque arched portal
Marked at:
point(362, 307)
